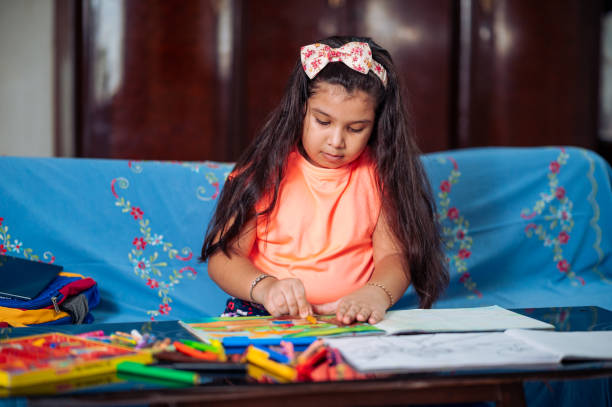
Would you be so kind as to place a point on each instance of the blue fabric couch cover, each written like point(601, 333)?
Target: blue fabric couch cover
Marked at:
point(523, 227)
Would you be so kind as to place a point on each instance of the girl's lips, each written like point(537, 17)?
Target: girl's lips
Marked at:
point(332, 157)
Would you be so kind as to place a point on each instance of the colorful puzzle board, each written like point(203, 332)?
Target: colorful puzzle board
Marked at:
point(275, 327)
point(51, 357)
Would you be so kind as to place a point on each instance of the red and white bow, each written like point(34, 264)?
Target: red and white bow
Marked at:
point(355, 55)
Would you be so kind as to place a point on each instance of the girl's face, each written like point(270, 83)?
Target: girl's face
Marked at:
point(337, 125)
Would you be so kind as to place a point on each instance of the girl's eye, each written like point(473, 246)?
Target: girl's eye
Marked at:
point(322, 123)
point(352, 130)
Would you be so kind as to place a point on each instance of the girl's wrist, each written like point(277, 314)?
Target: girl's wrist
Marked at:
point(384, 291)
point(257, 284)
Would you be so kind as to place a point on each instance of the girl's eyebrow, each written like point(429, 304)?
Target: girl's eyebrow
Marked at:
point(328, 115)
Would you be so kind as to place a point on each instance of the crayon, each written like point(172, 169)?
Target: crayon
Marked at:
point(260, 359)
point(210, 367)
point(273, 355)
point(201, 346)
point(311, 319)
point(198, 354)
point(306, 368)
point(310, 350)
point(159, 372)
point(244, 341)
point(288, 351)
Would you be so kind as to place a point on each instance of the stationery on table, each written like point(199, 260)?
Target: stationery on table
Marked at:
point(274, 327)
point(477, 319)
point(453, 351)
point(493, 318)
point(51, 357)
point(181, 376)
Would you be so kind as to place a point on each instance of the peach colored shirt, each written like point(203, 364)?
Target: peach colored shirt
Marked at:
point(321, 229)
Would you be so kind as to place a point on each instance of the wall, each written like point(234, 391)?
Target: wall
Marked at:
point(26, 55)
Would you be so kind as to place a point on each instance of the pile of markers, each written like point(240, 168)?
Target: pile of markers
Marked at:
point(267, 360)
point(133, 339)
point(318, 362)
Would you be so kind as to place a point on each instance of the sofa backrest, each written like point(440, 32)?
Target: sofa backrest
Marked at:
point(523, 227)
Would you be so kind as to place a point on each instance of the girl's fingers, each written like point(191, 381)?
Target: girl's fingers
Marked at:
point(292, 307)
point(375, 317)
point(349, 315)
point(303, 306)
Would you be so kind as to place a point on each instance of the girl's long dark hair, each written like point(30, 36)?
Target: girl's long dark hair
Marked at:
point(405, 191)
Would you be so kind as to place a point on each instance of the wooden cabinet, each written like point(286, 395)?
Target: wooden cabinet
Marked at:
point(195, 79)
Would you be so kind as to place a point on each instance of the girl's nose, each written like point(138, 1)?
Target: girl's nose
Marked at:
point(336, 138)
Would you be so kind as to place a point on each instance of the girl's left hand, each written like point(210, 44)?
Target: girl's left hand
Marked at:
point(366, 304)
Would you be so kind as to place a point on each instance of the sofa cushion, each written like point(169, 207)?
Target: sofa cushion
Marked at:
point(523, 227)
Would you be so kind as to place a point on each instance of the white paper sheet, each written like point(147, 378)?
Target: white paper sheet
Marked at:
point(427, 352)
point(478, 319)
point(578, 345)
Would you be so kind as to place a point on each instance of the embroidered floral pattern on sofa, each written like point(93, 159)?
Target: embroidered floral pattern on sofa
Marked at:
point(147, 248)
point(150, 266)
point(455, 230)
point(202, 192)
point(14, 246)
point(554, 208)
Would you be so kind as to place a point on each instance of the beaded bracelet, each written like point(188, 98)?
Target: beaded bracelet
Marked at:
point(380, 285)
point(255, 282)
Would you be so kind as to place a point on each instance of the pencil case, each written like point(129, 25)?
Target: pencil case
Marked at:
point(67, 299)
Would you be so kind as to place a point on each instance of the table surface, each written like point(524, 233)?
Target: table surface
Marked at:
point(502, 385)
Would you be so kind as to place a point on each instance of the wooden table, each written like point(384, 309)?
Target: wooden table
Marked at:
point(505, 389)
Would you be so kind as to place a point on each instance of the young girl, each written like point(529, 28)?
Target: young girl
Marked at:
point(329, 210)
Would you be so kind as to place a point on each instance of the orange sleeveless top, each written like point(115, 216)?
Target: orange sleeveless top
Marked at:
point(321, 228)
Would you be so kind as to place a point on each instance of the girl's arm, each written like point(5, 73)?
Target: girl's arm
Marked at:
point(387, 284)
point(236, 273)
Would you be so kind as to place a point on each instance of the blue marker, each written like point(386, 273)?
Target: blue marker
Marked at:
point(275, 356)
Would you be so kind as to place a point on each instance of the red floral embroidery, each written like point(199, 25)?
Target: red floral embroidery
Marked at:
point(554, 167)
point(560, 193)
point(136, 213)
point(1, 219)
point(563, 266)
point(152, 283)
point(140, 243)
point(556, 221)
point(2, 249)
point(164, 309)
point(455, 231)
point(445, 186)
point(464, 254)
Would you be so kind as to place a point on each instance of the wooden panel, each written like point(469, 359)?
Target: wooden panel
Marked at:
point(419, 36)
point(151, 79)
point(533, 73)
point(274, 31)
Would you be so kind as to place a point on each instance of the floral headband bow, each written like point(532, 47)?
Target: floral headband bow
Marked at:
point(355, 55)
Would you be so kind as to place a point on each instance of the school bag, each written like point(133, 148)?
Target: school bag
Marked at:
point(67, 299)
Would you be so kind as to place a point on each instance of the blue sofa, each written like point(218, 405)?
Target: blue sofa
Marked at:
point(523, 227)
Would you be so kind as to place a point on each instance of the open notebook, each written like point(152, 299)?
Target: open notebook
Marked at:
point(476, 319)
point(455, 351)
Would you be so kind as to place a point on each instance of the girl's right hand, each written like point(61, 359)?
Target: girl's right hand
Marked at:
point(286, 297)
